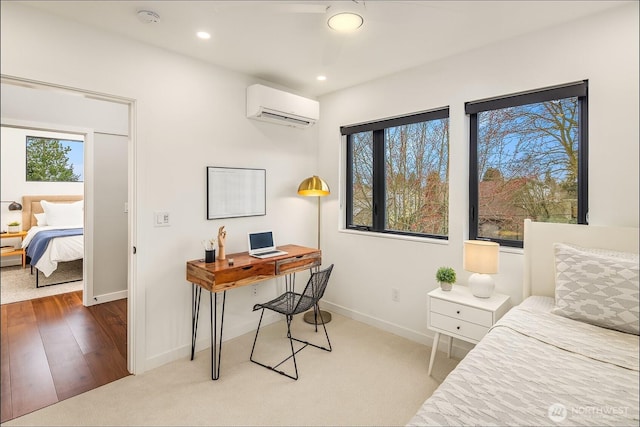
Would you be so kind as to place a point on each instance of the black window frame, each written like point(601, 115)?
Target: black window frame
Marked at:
point(576, 89)
point(379, 191)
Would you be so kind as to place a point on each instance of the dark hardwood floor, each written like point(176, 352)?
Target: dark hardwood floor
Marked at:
point(54, 348)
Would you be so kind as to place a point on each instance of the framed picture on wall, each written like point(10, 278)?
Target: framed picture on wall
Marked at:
point(235, 192)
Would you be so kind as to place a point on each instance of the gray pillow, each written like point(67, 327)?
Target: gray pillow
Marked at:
point(598, 286)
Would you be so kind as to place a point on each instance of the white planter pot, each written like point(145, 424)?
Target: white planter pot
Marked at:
point(13, 228)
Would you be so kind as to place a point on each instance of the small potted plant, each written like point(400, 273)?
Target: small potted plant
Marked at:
point(446, 276)
point(13, 227)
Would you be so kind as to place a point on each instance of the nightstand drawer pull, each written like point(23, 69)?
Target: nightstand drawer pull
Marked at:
point(462, 312)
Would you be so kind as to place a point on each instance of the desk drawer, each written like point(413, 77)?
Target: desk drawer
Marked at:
point(302, 262)
point(232, 275)
point(454, 327)
point(462, 312)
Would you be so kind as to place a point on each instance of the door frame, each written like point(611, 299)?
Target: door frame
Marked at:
point(135, 314)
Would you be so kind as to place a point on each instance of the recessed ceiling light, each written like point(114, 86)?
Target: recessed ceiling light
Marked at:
point(203, 35)
point(148, 16)
point(345, 22)
point(321, 78)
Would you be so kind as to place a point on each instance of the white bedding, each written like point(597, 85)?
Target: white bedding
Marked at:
point(538, 368)
point(60, 249)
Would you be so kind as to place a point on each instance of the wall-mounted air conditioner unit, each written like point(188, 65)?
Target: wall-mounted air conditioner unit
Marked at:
point(277, 106)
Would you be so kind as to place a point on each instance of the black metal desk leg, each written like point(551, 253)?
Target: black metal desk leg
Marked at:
point(216, 342)
point(196, 292)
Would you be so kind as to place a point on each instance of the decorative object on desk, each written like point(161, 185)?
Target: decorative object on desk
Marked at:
point(481, 258)
point(315, 186)
point(209, 249)
point(222, 235)
point(13, 227)
point(230, 261)
point(446, 277)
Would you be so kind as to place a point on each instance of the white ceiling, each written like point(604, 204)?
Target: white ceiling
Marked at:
point(289, 43)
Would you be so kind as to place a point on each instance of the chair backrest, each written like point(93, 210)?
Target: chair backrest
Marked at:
point(314, 290)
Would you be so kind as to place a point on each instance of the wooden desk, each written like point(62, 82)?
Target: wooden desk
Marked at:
point(218, 277)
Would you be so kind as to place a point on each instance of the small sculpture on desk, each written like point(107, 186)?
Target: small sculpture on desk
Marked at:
point(222, 235)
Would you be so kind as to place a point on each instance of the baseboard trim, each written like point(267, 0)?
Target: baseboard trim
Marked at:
point(99, 299)
point(203, 341)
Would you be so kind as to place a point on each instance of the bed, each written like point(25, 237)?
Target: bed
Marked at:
point(568, 354)
point(54, 225)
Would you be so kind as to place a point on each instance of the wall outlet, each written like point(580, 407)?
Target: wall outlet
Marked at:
point(254, 290)
point(395, 295)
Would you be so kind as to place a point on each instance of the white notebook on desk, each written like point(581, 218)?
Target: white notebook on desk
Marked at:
point(262, 245)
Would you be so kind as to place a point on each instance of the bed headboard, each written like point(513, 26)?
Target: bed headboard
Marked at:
point(31, 205)
point(539, 237)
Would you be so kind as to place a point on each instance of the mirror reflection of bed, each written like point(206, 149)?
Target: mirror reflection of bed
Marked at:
point(55, 249)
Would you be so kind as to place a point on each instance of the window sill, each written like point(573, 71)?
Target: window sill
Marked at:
point(395, 236)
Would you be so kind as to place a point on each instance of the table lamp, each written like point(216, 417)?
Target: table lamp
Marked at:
point(14, 206)
point(315, 186)
point(481, 258)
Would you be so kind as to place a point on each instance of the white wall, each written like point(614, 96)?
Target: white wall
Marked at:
point(602, 49)
point(189, 115)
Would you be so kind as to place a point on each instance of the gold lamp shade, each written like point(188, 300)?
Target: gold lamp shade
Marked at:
point(313, 186)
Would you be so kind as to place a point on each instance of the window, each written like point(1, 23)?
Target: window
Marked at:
point(528, 159)
point(398, 175)
point(54, 160)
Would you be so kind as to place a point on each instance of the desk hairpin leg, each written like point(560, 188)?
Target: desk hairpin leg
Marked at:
point(216, 343)
point(216, 335)
point(196, 292)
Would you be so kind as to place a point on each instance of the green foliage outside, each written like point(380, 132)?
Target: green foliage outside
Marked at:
point(48, 160)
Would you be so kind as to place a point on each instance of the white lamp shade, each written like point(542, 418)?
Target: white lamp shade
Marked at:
point(481, 256)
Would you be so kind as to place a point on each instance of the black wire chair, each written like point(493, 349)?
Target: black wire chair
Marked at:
point(290, 304)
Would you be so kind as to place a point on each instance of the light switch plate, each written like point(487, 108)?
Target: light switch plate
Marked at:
point(161, 219)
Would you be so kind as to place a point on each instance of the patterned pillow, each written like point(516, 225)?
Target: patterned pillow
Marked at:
point(598, 287)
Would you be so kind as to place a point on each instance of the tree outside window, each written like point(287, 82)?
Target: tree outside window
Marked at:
point(527, 162)
point(54, 160)
point(397, 175)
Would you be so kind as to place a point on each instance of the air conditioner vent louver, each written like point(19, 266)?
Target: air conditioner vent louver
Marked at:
point(276, 106)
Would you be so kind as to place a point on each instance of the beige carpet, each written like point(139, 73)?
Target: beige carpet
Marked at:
point(18, 284)
point(371, 378)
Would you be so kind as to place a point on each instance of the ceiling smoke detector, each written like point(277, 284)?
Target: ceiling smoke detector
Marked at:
point(148, 17)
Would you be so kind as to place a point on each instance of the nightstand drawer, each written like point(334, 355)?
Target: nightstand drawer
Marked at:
point(462, 312)
point(453, 326)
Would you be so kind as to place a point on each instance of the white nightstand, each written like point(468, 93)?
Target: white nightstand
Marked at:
point(459, 314)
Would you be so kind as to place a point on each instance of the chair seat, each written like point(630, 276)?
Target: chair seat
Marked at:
point(289, 303)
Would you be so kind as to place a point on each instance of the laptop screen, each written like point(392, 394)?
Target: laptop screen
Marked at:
point(262, 240)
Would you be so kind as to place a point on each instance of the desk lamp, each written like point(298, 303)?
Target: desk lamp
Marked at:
point(315, 186)
point(481, 258)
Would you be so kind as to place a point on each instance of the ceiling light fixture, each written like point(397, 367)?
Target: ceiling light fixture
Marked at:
point(148, 17)
point(345, 16)
point(321, 78)
point(203, 35)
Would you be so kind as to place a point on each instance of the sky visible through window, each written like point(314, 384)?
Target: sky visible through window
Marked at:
point(76, 156)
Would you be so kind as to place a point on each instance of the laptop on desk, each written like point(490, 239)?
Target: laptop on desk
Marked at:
point(262, 245)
